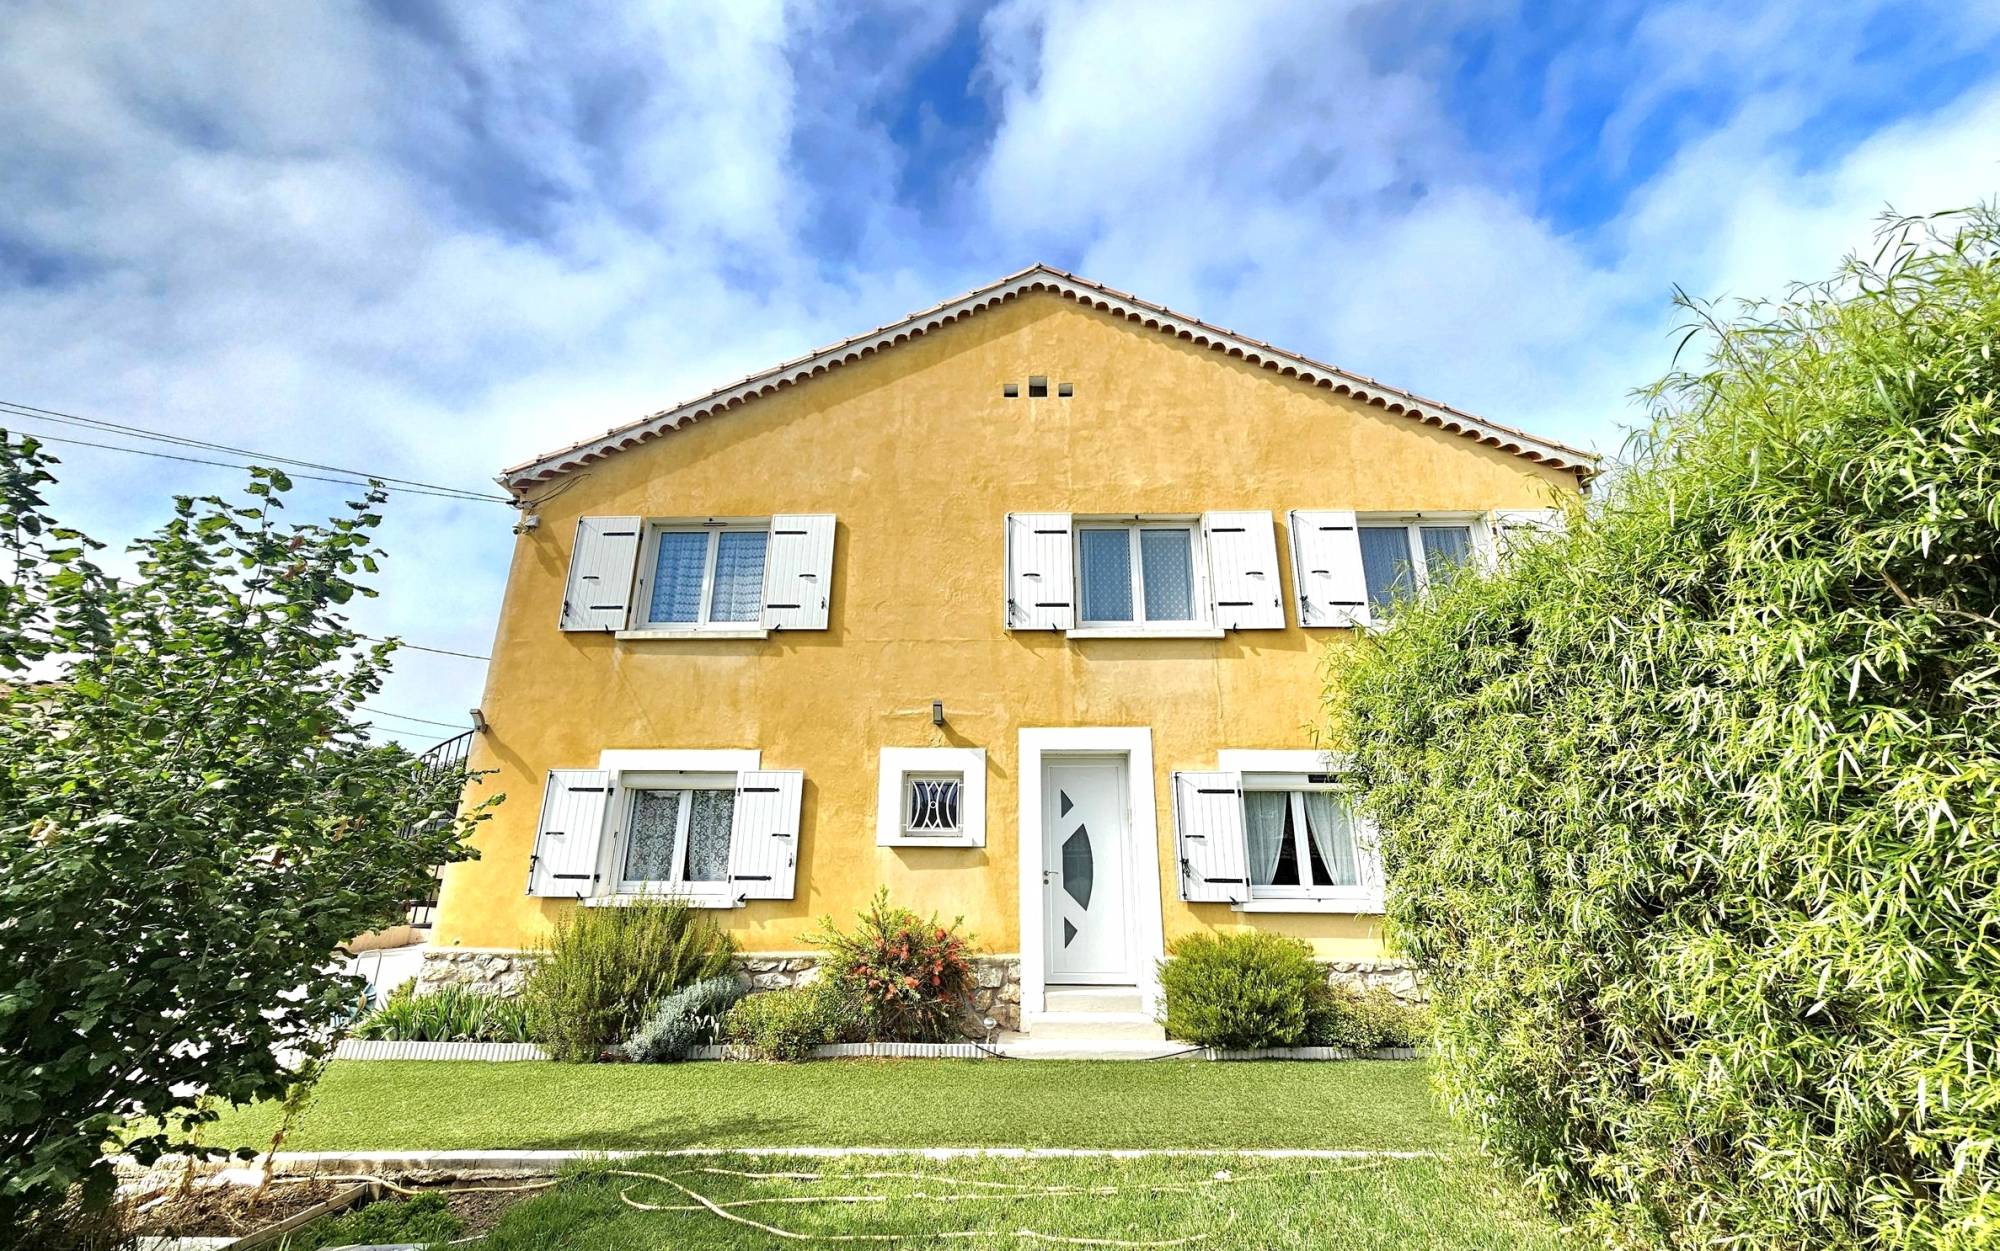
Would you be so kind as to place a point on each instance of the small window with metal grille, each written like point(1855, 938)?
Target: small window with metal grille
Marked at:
point(931, 803)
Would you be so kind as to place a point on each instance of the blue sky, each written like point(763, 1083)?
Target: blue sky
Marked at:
point(433, 239)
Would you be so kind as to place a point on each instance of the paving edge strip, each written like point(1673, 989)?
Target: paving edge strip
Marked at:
point(535, 1163)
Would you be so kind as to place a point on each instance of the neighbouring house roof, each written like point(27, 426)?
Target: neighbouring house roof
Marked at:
point(1044, 278)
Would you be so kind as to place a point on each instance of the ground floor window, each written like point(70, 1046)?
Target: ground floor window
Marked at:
point(1298, 841)
point(676, 832)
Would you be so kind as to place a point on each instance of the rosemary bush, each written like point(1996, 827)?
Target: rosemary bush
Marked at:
point(1690, 817)
point(600, 969)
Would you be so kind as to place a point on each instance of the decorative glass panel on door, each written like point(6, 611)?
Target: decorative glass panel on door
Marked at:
point(1166, 559)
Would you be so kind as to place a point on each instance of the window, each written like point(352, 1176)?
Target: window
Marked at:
point(931, 797)
point(1139, 573)
point(1400, 559)
point(932, 804)
point(1299, 840)
point(703, 577)
point(677, 832)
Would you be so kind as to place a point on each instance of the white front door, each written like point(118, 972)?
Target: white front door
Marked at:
point(1083, 854)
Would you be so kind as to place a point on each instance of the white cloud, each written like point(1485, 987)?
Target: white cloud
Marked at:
point(432, 244)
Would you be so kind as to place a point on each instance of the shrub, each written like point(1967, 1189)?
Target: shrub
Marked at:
point(1339, 1016)
point(450, 1014)
point(910, 979)
point(1239, 990)
point(193, 816)
point(689, 1018)
point(1692, 818)
point(601, 968)
point(788, 1024)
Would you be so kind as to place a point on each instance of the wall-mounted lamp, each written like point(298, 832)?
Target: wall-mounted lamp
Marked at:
point(937, 712)
point(478, 721)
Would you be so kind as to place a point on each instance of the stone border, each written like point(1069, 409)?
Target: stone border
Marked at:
point(370, 1049)
point(384, 1049)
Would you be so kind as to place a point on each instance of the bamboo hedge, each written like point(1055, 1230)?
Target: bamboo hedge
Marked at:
point(1689, 816)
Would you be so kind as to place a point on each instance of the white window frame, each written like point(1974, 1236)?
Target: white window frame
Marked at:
point(639, 769)
point(1481, 550)
point(677, 885)
point(641, 622)
point(1200, 625)
point(1295, 771)
point(900, 764)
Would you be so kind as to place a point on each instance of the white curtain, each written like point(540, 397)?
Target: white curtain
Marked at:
point(1333, 836)
point(1264, 829)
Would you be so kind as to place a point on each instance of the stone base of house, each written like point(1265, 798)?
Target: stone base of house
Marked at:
point(996, 996)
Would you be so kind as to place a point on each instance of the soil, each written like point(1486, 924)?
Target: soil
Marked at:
point(481, 1212)
point(223, 1211)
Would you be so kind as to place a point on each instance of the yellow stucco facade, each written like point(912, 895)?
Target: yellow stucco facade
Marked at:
point(920, 457)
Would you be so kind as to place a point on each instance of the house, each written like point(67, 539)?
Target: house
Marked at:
point(1015, 607)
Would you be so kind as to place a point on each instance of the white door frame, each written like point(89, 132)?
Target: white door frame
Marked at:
point(1142, 860)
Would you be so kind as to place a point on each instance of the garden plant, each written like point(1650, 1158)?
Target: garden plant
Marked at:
point(600, 969)
point(1691, 818)
point(192, 819)
point(909, 978)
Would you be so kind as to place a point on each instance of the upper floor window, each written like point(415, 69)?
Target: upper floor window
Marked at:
point(703, 576)
point(668, 577)
point(1137, 574)
point(1109, 577)
point(1399, 559)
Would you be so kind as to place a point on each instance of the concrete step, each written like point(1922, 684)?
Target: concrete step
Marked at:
point(1093, 1026)
point(1092, 999)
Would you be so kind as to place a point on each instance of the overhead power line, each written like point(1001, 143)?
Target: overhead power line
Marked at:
point(359, 477)
point(419, 647)
point(404, 716)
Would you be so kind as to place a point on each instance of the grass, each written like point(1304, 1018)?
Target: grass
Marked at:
point(1448, 1204)
point(442, 1105)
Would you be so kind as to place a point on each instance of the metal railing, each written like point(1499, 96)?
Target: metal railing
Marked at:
point(449, 756)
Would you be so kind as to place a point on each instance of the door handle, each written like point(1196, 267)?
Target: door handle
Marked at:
point(1048, 877)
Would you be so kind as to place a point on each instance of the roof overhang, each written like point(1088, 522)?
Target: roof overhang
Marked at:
point(520, 478)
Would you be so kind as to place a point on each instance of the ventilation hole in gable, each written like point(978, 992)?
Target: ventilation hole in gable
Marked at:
point(1011, 390)
point(1065, 389)
point(1038, 388)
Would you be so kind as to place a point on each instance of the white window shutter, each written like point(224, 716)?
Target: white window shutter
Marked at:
point(764, 836)
point(1513, 527)
point(1326, 564)
point(1243, 570)
point(1041, 578)
point(1208, 837)
point(564, 865)
point(601, 564)
point(798, 572)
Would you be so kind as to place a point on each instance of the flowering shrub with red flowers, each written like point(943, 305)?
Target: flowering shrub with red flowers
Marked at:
point(909, 978)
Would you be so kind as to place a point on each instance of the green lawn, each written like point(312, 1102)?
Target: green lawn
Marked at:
point(1454, 1204)
point(438, 1105)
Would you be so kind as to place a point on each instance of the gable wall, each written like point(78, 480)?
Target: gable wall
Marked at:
point(920, 457)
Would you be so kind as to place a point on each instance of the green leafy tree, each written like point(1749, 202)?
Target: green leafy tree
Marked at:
point(1692, 818)
point(191, 820)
